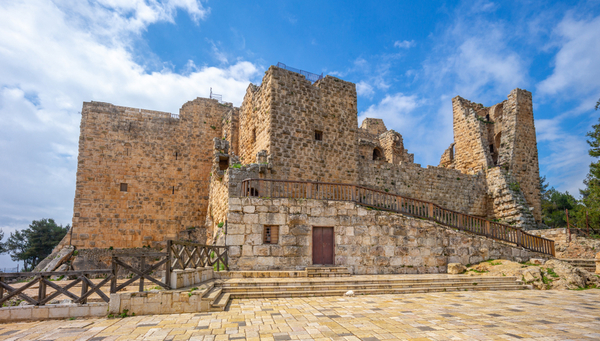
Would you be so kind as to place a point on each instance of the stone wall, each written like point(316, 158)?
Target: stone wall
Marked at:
point(286, 112)
point(448, 188)
point(366, 241)
point(501, 135)
point(519, 151)
point(506, 201)
point(162, 160)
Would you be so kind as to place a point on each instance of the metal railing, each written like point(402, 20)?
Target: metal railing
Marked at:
point(392, 202)
point(313, 77)
point(219, 98)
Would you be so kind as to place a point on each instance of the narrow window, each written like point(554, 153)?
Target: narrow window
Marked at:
point(253, 135)
point(123, 187)
point(491, 148)
point(253, 192)
point(271, 235)
point(176, 155)
point(173, 190)
point(318, 135)
point(223, 164)
point(377, 154)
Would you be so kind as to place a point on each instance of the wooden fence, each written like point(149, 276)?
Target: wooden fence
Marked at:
point(43, 279)
point(144, 267)
point(377, 199)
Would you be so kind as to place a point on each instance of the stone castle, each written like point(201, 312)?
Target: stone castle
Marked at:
point(145, 176)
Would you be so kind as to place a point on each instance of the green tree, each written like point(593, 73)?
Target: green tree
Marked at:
point(35, 243)
point(591, 193)
point(2, 249)
point(554, 204)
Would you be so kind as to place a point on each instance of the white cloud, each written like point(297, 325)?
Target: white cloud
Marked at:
point(577, 63)
point(364, 89)
point(54, 56)
point(404, 44)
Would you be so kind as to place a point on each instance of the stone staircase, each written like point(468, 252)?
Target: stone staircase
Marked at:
point(319, 271)
point(585, 264)
point(223, 291)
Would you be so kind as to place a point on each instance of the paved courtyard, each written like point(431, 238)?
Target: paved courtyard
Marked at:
point(486, 315)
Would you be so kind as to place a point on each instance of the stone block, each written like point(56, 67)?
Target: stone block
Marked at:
point(288, 240)
point(21, 313)
point(42, 312)
point(249, 209)
point(235, 251)
point(98, 309)
point(272, 218)
point(250, 219)
point(234, 239)
point(59, 311)
point(323, 221)
point(79, 311)
point(261, 250)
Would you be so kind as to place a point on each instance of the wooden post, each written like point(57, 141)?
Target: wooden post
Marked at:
point(568, 226)
point(84, 288)
point(430, 210)
point(41, 290)
point(168, 264)
point(142, 268)
point(113, 281)
point(487, 228)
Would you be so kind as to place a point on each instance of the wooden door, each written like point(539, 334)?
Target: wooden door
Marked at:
point(322, 247)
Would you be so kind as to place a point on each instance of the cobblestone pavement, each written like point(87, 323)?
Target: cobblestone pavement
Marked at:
point(484, 315)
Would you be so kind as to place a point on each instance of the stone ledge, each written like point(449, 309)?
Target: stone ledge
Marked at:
point(52, 311)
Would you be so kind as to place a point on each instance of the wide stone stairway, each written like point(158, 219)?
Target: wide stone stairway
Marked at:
point(218, 293)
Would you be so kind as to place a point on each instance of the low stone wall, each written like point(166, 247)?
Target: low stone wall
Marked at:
point(189, 277)
point(52, 311)
point(159, 302)
point(366, 241)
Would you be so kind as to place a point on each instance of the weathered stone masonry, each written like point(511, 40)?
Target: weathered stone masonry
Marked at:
point(366, 241)
point(183, 174)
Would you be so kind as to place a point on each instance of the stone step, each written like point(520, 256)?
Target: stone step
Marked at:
point(360, 286)
point(354, 281)
point(221, 303)
point(288, 294)
point(213, 294)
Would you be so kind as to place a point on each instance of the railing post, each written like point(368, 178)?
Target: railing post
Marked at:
point(168, 264)
point(113, 280)
point(487, 228)
point(41, 290)
point(84, 288)
point(430, 210)
point(142, 268)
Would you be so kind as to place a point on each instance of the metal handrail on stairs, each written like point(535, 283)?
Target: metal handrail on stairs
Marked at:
point(377, 199)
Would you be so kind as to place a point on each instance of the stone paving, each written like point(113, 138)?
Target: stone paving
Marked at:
point(483, 315)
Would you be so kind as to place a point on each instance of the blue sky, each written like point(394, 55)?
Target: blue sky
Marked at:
point(408, 60)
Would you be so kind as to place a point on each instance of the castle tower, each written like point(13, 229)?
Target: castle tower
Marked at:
point(307, 130)
point(501, 136)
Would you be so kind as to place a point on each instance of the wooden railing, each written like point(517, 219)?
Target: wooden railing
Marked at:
point(145, 271)
point(49, 290)
point(185, 255)
point(377, 199)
